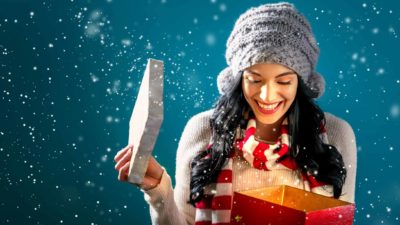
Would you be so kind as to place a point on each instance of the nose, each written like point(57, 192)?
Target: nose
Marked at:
point(268, 93)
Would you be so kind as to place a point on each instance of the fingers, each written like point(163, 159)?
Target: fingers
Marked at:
point(122, 152)
point(153, 174)
point(147, 183)
point(123, 159)
point(123, 172)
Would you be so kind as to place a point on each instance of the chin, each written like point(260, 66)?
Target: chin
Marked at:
point(264, 120)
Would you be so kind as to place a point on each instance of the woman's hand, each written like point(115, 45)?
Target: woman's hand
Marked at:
point(153, 174)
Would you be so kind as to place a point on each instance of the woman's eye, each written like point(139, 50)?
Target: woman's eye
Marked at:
point(284, 83)
point(251, 80)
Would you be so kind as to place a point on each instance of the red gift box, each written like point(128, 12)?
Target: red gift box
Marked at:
point(285, 205)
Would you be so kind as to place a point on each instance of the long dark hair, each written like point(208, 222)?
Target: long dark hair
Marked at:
point(310, 153)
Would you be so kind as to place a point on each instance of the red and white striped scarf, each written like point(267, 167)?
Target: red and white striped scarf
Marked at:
point(215, 207)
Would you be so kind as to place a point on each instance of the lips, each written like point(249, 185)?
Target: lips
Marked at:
point(268, 108)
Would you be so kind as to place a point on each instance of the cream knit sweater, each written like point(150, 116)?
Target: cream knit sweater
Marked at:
point(169, 206)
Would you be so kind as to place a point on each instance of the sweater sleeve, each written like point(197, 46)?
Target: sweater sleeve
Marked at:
point(167, 205)
point(341, 135)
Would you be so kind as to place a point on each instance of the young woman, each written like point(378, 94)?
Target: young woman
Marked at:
point(264, 130)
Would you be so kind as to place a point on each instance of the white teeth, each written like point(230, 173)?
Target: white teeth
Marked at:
point(268, 107)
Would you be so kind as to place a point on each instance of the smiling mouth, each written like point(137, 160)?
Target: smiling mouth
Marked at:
point(268, 108)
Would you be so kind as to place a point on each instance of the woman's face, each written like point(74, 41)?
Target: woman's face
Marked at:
point(270, 90)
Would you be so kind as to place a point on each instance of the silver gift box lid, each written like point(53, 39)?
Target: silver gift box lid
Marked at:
point(146, 119)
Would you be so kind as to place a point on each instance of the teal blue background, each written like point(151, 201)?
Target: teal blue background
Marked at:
point(70, 72)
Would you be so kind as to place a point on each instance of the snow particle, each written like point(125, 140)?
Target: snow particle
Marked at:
point(92, 30)
point(109, 119)
point(354, 56)
point(380, 71)
point(149, 46)
point(222, 7)
point(395, 111)
point(210, 39)
point(126, 42)
point(94, 78)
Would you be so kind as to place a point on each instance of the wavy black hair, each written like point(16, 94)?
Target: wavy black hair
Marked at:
point(305, 118)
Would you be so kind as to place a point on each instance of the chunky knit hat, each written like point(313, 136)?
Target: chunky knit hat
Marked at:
point(272, 33)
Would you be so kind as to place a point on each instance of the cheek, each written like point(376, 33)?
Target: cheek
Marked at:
point(291, 93)
point(248, 92)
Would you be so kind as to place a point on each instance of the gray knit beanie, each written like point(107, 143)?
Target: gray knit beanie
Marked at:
point(272, 33)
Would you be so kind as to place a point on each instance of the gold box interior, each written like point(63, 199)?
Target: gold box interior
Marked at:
point(294, 198)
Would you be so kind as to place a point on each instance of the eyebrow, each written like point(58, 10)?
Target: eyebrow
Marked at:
point(279, 75)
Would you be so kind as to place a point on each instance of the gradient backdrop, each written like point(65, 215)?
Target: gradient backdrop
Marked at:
point(70, 72)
